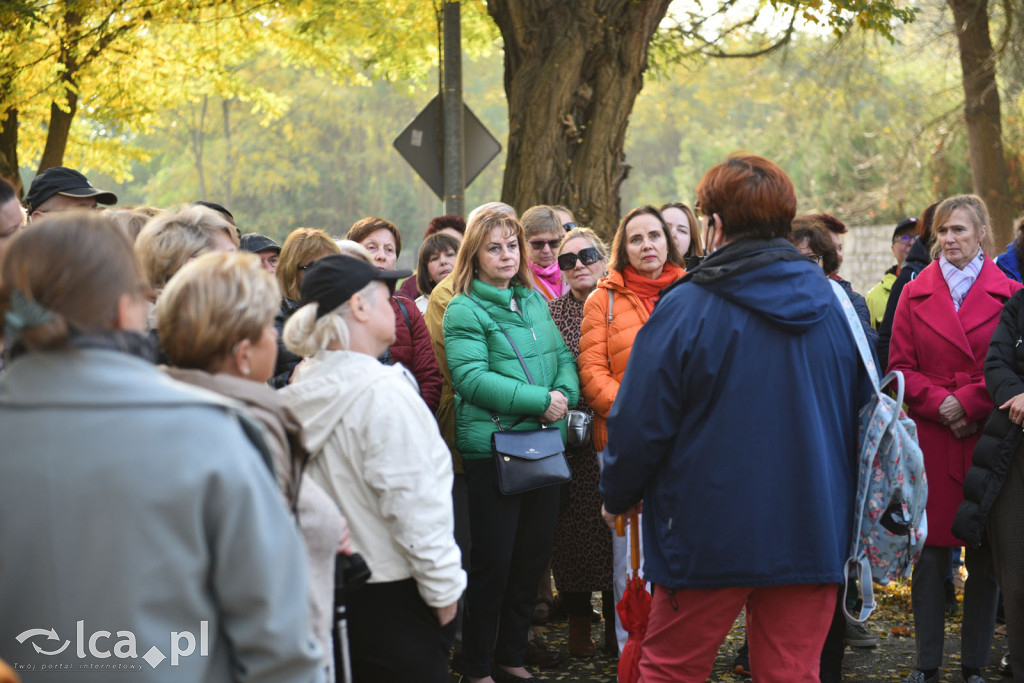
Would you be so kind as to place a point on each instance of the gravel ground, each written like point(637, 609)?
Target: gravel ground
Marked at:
point(890, 662)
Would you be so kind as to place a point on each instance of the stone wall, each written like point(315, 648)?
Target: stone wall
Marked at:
point(866, 255)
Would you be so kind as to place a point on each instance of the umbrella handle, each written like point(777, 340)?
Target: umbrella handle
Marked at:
point(620, 525)
point(634, 542)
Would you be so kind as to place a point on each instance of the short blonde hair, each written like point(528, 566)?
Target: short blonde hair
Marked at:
point(541, 219)
point(213, 303)
point(300, 247)
point(477, 233)
point(587, 234)
point(353, 248)
point(167, 242)
point(972, 204)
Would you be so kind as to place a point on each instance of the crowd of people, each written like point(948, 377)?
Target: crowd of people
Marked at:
point(200, 426)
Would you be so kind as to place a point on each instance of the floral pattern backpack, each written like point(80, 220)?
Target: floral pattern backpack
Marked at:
point(890, 524)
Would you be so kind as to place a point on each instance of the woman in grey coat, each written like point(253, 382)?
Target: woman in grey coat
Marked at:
point(141, 528)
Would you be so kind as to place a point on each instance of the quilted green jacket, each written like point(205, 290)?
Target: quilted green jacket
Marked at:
point(484, 369)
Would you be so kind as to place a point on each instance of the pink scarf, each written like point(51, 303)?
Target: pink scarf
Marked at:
point(548, 280)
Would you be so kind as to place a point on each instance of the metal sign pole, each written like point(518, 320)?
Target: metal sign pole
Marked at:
point(451, 107)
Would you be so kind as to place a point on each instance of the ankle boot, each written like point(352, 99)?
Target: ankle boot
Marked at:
point(580, 642)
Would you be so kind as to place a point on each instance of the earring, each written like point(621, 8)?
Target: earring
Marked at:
point(246, 371)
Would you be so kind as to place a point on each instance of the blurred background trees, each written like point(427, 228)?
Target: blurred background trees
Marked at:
point(285, 112)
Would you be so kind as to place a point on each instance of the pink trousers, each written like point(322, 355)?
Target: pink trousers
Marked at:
point(786, 628)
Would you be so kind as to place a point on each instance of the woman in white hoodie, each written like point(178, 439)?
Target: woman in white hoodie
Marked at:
point(377, 451)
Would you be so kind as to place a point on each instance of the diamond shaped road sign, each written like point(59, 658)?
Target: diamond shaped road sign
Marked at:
point(420, 145)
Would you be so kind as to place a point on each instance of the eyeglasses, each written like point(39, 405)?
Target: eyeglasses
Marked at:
point(814, 258)
point(568, 226)
point(587, 257)
point(538, 245)
point(906, 239)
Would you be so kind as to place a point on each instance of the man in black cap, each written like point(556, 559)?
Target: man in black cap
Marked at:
point(903, 237)
point(264, 247)
point(63, 189)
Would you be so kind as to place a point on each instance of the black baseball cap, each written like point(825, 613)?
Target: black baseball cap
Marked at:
point(332, 280)
point(218, 208)
point(255, 243)
point(904, 225)
point(65, 181)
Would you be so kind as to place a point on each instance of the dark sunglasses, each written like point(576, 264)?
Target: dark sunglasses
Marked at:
point(538, 245)
point(568, 226)
point(588, 256)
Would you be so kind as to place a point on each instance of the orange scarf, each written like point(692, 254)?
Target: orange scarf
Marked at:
point(648, 290)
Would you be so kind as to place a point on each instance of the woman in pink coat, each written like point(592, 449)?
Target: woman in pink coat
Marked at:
point(944, 322)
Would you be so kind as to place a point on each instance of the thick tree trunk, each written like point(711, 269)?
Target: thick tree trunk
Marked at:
point(9, 149)
point(572, 73)
point(61, 117)
point(981, 112)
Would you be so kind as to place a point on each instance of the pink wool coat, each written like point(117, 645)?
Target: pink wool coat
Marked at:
point(941, 351)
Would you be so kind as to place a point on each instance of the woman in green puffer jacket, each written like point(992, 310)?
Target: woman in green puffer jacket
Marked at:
point(511, 535)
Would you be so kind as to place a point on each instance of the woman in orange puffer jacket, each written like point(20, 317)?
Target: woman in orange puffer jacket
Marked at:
point(644, 261)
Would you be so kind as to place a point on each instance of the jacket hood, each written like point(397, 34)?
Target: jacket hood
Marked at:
point(1009, 261)
point(918, 253)
point(770, 278)
point(326, 388)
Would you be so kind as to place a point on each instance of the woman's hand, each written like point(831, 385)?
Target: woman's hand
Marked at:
point(609, 518)
point(962, 428)
point(951, 411)
point(1016, 409)
point(446, 614)
point(557, 409)
point(345, 544)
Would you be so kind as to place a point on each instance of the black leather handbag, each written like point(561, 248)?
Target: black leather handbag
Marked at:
point(526, 459)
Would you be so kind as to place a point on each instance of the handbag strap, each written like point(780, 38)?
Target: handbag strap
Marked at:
point(529, 377)
point(522, 362)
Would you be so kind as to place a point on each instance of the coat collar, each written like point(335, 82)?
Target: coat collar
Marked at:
point(934, 305)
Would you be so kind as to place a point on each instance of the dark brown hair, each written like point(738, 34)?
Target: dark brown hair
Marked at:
point(751, 195)
point(620, 258)
point(434, 244)
point(819, 242)
point(77, 265)
point(364, 227)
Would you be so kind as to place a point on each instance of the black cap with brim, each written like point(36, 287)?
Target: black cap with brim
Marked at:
point(67, 182)
point(903, 226)
point(255, 243)
point(332, 280)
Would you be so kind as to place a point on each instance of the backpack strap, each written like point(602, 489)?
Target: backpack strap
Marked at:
point(857, 564)
point(405, 314)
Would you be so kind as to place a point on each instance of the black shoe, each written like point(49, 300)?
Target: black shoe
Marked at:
point(501, 676)
point(545, 658)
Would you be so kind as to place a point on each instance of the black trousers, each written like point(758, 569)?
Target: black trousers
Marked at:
point(395, 637)
point(511, 544)
point(1006, 537)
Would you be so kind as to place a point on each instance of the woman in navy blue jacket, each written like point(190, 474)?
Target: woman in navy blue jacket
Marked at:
point(737, 425)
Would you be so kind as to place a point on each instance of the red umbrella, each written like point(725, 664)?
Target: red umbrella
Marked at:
point(635, 605)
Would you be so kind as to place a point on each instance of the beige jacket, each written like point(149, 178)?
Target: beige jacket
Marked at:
point(320, 520)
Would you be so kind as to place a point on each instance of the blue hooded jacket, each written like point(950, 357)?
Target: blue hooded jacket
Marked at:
point(736, 423)
point(1009, 262)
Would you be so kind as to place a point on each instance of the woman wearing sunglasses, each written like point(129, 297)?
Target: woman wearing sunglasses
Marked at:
point(581, 560)
point(644, 261)
point(544, 234)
